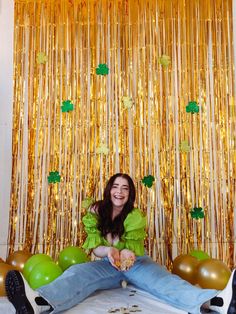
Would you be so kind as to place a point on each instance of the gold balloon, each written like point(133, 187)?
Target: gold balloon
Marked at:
point(212, 274)
point(18, 259)
point(4, 269)
point(185, 267)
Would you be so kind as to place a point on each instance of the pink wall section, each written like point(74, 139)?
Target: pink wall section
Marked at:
point(6, 94)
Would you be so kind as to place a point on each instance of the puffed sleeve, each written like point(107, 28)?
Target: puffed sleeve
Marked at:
point(134, 235)
point(94, 238)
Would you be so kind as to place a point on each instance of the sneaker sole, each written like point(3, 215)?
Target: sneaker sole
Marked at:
point(15, 290)
point(232, 305)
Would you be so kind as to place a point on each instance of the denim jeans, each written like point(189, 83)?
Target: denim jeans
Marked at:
point(81, 280)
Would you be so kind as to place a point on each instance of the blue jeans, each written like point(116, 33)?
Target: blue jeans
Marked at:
point(81, 280)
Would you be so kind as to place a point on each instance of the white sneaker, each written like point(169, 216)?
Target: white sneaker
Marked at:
point(225, 301)
point(24, 299)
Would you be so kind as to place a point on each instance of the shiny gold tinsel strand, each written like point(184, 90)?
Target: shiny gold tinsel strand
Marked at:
point(129, 36)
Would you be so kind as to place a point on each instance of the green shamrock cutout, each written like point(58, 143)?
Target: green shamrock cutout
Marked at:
point(41, 58)
point(192, 107)
point(102, 69)
point(102, 149)
point(164, 60)
point(67, 106)
point(87, 202)
point(197, 213)
point(128, 103)
point(54, 177)
point(148, 181)
point(184, 147)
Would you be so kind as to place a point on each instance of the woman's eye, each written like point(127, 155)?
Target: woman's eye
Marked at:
point(126, 190)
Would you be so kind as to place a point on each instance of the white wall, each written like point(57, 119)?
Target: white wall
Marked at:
point(6, 98)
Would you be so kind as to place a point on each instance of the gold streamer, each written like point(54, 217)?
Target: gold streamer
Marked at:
point(129, 36)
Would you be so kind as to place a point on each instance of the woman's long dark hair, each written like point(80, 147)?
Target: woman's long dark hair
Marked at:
point(104, 208)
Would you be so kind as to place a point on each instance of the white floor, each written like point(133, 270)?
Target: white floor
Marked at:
point(112, 301)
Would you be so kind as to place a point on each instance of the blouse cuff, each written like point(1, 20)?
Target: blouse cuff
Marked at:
point(92, 242)
point(135, 246)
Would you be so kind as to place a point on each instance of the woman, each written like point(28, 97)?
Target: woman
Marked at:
point(116, 232)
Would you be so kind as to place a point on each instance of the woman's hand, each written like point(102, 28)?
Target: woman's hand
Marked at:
point(114, 257)
point(127, 259)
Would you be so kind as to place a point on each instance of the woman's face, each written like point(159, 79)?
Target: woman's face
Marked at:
point(119, 193)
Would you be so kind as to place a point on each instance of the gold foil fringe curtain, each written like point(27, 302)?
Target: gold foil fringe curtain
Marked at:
point(146, 139)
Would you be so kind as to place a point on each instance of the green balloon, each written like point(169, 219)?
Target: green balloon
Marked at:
point(44, 273)
point(200, 255)
point(32, 262)
point(72, 255)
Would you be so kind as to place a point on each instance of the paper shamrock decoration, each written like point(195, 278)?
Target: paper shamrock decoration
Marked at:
point(41, 58)
point(87, 202)
point(148, 181)
point(54, 177)
point(184, 147)
point(197, 213)
point(127, 101)
point(164, 60)
point(102, 69)
point(67, 106)
point(102, 149)
point(192, 107)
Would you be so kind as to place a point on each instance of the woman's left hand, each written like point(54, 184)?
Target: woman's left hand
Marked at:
point(127, 259)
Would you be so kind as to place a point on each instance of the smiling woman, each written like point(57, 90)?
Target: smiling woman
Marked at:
point(115, 232)
point(119, 195)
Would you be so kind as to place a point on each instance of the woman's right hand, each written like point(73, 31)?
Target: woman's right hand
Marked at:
point(114, 257)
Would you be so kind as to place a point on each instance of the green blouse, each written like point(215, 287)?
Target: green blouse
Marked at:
point(132, 238)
